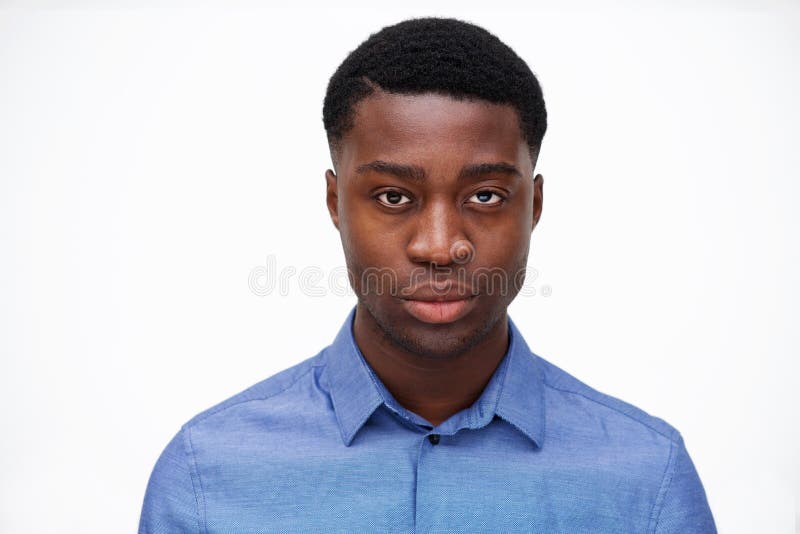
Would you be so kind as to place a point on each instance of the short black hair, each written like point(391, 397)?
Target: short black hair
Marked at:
point(435, 55)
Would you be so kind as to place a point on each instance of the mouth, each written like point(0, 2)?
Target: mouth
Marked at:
point(441, 310)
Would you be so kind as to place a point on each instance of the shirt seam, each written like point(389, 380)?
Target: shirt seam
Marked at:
point(212, 412)
point(498, 408)
point(194, 472)
point(666, 482)
point(672, 439)
point(499, 395)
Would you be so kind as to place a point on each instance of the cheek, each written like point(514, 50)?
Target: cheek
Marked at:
point(501, 259)
point(502, 244)
point(364, 244)
point(368, 238)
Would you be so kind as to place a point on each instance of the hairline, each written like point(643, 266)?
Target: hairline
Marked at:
point(334, 144)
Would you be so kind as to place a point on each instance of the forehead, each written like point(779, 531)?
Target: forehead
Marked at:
point(433, 128)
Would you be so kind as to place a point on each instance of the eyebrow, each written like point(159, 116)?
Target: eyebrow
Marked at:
point(411, 173)
point(416, 174)
point(479, 169)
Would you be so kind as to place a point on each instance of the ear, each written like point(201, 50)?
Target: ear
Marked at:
point(332, 197)
point(538, 192)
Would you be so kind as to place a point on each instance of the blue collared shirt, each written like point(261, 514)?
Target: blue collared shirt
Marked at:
point(324, 447)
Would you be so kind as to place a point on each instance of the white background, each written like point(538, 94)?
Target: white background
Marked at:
point(151, 158)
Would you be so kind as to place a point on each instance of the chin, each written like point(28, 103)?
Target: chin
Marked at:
point(436, 341)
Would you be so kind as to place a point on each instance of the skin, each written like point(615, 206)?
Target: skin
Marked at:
point(419, 180)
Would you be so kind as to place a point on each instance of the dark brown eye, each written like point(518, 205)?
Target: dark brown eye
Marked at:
point(487, 198)
point(393, 198)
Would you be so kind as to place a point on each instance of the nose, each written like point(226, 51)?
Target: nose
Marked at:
point(438, 231)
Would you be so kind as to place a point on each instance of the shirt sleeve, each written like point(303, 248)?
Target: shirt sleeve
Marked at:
point(171, 504)
point(684, 507)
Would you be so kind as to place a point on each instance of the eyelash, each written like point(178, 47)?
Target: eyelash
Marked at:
point(392, 191)
point(495, 193)
point(502, 198)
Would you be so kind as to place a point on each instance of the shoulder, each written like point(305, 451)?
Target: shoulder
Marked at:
point(571, 401)
point(175, 499)
point(272, 390)
point(628, 447)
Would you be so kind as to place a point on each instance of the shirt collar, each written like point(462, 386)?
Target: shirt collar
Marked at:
point(353, 392)
point(515, 393)
point(521, 401)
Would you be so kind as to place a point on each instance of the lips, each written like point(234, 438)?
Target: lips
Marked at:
point(439, 309)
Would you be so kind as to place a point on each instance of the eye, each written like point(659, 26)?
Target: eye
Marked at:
point(393, 198)
point(486, 198)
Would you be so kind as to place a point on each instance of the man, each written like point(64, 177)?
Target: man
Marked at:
point(429, 412)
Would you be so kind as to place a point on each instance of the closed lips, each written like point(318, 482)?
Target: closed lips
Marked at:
point(441, 310)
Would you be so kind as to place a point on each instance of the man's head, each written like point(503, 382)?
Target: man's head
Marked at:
point(431, 55)
point(435, 127)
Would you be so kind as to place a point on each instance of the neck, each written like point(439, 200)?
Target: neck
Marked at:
point(433, 388)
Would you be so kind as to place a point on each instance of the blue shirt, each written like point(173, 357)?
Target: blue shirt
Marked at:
point(324, 447)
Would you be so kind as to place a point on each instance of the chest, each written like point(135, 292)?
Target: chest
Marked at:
point(388, 482)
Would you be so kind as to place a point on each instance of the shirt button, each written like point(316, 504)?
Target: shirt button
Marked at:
point(433, 438)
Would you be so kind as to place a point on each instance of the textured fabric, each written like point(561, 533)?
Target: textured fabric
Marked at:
point(324, 447)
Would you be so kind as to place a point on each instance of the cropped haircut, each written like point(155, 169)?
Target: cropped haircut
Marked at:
point(435, 55)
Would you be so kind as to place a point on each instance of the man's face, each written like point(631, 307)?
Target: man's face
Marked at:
point(435, 202)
